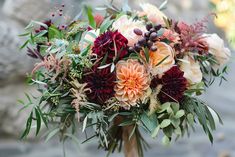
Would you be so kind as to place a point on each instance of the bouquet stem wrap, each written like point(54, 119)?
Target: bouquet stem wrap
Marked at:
point(130, 144)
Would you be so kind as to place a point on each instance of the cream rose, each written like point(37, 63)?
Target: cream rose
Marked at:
point(191, 69)
point(217, 48)
point(89, 38)
point(126, 27)
point(152, 13)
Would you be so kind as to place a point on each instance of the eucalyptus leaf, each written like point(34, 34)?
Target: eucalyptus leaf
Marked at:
point(165, 123)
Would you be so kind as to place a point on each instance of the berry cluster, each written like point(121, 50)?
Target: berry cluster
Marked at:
point(148, 38)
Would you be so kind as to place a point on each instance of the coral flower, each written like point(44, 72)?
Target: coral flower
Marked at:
point(162, 59)
point(132, 81)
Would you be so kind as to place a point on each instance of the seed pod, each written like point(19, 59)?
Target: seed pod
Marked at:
point(152, 30)
point(138, 31)
point(149, 26)
point(157, 27)
point(137, 47)
point(153, 48)
point(142, 42)
point(131, 49)
point(147, 34)
point(150, 44)
point(153, 36)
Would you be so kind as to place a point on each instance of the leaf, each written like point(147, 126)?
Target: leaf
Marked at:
point(91, 19)
point(105, 25)
point(210, 119)
point(155, 132)
point(164, 107)
point(40, 23)
point(162, 61)
point(52, 134)
point(146, 53)
point(178, 131)
point(53, 32)
point(42, 116)
point(126, 123)
point(150, 122)
point(38, 119)
point(190, 119)
point(24, 34)
point(28, 126)
point(104, 66)
point(163, 5)
point(175, 107)
point(24, 45)
point(132, 132)
point(165, 123)
point(84, 124)
point(179, 114)
point(166, 141)
point(113, 116)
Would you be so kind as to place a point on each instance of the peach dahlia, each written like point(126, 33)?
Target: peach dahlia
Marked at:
point(132, 81)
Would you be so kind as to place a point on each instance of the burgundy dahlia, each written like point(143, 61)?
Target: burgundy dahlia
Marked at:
point(112, 44)
point(173, 85)
point(101, 83)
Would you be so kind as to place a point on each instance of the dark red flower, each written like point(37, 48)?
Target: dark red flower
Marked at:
point(112, 44)
point(173, 85)
point(101, 83)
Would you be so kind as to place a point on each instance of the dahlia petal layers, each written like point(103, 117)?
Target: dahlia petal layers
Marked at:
point(119, 72)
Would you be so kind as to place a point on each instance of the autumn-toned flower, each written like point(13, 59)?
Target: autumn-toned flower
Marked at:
point(111, 45)
point(173, 85)
point(191, 37)
point(126, 27)
point(101, 84)
point(152, 13)
point(217, 48)
point(171, 36)
point(191, 69)
point(132, 81)
point(162, 59)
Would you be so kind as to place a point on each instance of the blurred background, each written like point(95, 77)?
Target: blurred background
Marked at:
point(16, 14)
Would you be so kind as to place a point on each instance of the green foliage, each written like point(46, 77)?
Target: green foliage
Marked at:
point(197, 108)
point(90, 16)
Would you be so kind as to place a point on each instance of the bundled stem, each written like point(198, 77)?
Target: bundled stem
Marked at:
point(130, 143)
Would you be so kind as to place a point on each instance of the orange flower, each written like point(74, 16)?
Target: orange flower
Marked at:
point(164, 54)
point(132, 81)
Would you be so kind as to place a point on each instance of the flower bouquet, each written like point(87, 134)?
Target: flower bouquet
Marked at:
point(120, 74)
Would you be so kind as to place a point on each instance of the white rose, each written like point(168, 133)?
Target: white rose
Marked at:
point(217, 48)
point(191, 69)
point(126, 27)
point(89, 38)
point(152, 13)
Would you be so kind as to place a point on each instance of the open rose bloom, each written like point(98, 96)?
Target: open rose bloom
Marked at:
point(121, 71)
